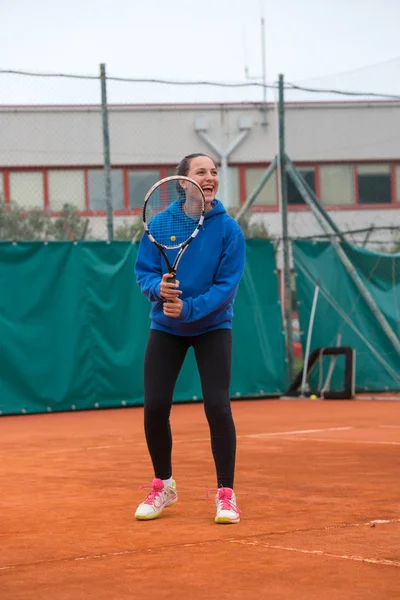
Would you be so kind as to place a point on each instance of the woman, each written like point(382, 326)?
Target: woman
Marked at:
point(198, 314)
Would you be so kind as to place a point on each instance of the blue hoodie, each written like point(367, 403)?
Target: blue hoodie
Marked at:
point(209, 273)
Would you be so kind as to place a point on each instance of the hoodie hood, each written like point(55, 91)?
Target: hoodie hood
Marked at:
point(218, 209)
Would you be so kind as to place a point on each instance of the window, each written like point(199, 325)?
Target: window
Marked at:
point(139, 184)
point(26, 189)
point(337, 184)
point(97, 189)
point(66, 187)
point(294, 196)
point(374, 184)
point(268, 194)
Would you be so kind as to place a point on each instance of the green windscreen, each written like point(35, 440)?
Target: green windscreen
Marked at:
point(343, 316)
point(74, 326)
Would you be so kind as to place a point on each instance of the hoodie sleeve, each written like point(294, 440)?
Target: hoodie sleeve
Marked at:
point(226, 281)
point(148, 269)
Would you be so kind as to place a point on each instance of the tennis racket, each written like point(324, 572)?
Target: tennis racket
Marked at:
point(173, 213)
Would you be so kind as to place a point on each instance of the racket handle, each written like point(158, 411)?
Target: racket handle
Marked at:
point(172, 280)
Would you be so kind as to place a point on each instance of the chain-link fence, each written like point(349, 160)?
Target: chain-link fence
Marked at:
point(78, 154)
point(42, 187)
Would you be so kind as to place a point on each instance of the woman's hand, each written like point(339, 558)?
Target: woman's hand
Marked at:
point(173, 308)
point(168, 290)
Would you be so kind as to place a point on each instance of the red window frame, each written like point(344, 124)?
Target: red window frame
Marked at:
point(163, 170)
point(395, 201)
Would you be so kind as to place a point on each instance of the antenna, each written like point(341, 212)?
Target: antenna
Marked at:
point(263, 77)
point(264, 69)
point(246, 67)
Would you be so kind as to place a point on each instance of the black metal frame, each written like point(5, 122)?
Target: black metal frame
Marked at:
point(349, 374)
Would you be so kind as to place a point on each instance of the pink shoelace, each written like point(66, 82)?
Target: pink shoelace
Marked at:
point(225, 497)
point(154, 497)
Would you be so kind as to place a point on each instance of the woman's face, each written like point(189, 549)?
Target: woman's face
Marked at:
point(204, 172)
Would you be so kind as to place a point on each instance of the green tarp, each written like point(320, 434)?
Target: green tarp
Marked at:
point(341, 309)
point(74, 325)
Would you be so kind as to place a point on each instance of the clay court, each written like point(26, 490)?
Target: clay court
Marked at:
point(317, 482)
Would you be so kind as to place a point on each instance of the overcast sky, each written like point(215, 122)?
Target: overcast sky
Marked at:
point(345, 44)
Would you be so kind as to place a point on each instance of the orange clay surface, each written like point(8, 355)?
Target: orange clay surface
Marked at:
point(318, 483)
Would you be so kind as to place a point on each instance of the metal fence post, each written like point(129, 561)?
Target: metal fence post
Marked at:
point(107, 160)
point(288, 310)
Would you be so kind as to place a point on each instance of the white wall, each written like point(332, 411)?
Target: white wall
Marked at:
point(145, 135)
point(162, 134)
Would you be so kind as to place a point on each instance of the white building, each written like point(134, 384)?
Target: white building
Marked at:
point(349, 153)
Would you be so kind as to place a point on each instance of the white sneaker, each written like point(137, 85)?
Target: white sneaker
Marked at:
point(159, 498)
point(227, 510)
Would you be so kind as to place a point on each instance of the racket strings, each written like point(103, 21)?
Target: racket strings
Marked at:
point(173, 212)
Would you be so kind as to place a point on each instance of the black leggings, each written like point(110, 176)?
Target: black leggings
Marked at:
point(164, 358)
